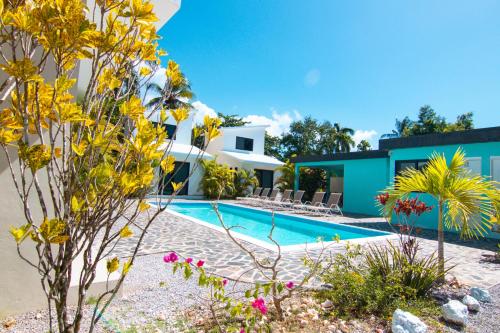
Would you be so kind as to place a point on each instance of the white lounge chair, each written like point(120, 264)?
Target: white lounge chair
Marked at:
point(297, 200)
point(252, 201)
point(308, 206)
point(255, 194)
point(265, 201)
point(331, 206)
point(285, 197)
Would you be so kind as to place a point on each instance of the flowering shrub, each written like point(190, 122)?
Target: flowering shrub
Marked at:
point(250, 311)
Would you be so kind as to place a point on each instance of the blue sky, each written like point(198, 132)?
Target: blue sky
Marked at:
point(359, 63)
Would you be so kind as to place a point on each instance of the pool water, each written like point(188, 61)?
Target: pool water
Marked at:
point(289, 230)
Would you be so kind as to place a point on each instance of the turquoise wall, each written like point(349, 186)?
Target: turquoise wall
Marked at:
point(482, 150)
point(363, 179)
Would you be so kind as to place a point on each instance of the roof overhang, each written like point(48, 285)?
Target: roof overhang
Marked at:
point(252, 160)
point(356, 155)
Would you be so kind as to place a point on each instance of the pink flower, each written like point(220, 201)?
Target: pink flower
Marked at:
point(171, 257)
point(189, 260)
point(224, 282)
point(242, 330)
point(260, 305)
point(200, 263)
point(289, 284)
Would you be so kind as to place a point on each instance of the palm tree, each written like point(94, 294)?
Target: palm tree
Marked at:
point(343, 138)
point(287, 176)
point(175, 93)
point(467, 203)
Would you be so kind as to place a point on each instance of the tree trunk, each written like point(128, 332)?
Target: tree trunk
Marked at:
point(441, 243)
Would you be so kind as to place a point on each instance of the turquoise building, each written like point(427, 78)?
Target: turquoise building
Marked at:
point(360, 176)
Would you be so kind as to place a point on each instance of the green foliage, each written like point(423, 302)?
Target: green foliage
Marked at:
point(429, 122)
point(310, 137)
point(378, 281)
point(312, 180)
point(244, 182)
point(287, 176)
point(231, 120)
point(217, 181)
point(272, 146)
point(364, 145)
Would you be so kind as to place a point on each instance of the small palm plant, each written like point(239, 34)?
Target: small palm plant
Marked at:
point(287, 175)
point(467, 203)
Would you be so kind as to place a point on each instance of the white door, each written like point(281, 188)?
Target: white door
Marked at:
point(495, 168)
point(474, 165)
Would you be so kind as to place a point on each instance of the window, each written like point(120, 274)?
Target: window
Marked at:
point(406, 164)
point(170, 129)
point(244, 143)
point(474, 165)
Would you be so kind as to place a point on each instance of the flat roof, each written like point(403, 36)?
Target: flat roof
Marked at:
point(355, 155)
point(489, 134)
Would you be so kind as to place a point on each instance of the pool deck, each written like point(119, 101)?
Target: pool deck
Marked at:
point(222, 257)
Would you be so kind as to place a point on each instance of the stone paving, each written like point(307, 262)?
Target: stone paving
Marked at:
point(223, 257)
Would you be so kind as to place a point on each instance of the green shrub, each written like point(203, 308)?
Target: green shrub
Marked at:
point(378, 281)
point(217, 181)
point(244, 182)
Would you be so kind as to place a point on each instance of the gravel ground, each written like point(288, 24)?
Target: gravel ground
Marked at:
point(488, 319)
point(153, 301)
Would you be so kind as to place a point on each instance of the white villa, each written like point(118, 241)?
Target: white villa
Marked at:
point(243, 147)
point(238, 147)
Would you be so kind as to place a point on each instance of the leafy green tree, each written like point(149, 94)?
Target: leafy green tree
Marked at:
point(272, 146)
point(231, 120)
point(312, 180)
point(217, 180)
point(466, 202)
point(287, 176)
point(429, 122)
point(364, 145)
point(244, 182)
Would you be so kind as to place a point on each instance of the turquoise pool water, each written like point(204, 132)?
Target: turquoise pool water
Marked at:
point(289, 230)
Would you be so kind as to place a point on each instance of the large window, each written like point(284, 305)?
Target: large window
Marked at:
point(244, 143)
point(170, 129)
point(406, 164)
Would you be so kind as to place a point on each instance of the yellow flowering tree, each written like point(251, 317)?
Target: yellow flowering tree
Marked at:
point(89, 162)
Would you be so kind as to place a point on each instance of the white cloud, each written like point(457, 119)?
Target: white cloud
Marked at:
point(200, 110)
point(278, 124)
point(312, 77)
point(364, 135)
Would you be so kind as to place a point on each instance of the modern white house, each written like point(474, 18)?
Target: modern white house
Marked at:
point(243, 147)
point(238, 147)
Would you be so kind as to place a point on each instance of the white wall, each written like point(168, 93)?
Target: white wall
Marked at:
point(227, 141)
point(20, 288)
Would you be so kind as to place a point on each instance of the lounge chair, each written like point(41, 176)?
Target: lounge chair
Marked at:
point(255, 194)
point(285, 197)
point(251, 201)
point(297, 200)
point(308, 206)
point(332, 205)
point(270, 198)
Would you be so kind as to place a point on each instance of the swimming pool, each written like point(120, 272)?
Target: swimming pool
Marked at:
point(255, 223)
